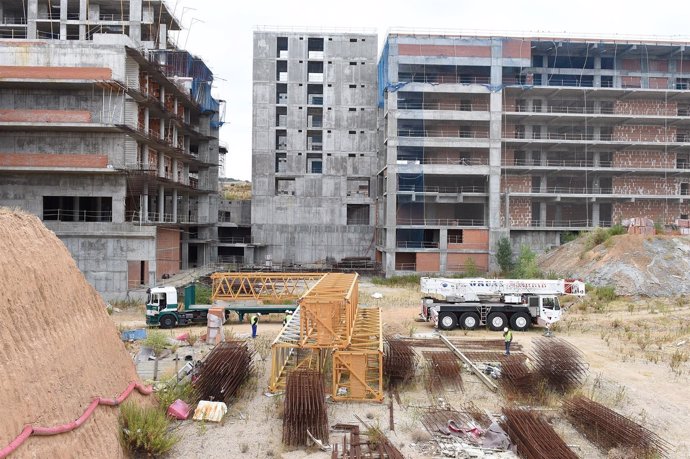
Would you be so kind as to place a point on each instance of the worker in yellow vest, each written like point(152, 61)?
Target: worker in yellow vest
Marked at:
point(286, 319)
point(255, 322)
point(508, 336)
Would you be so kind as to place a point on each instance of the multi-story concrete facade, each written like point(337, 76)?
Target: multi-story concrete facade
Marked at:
point(486, 137)
point(110, 135)
point(314, 146)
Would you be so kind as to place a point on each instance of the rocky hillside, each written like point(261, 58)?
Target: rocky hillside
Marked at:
point(632, 264)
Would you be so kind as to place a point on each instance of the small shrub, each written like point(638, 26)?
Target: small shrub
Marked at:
point(173, 390)
point(606, 293)
point(397, 281)
point(617, 230)
point(526, 266)
point(202, 294)
point(678, 358)
point(244, 447)
point(569, 236)
point(504, 254)
point(145, 430)
point(157, 341)
point(659, 228)
point(471, 268)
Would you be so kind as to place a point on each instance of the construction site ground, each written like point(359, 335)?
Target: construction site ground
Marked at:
point(629, 344)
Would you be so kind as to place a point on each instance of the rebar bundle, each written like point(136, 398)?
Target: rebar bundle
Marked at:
point(517, 381)
point(483, 345)
point(534, 436)
point(223, 371)
point(479, 416)
point(399, 361)
point(444, 370)
point(608, 429)
point(305, 408)
point(558, 363)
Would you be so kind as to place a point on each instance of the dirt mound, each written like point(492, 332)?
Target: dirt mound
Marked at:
point(632, 264)
point(58, 347)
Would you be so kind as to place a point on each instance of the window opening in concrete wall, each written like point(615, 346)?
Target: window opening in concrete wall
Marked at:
point(281, 71)
point(285, 186)
point(351, 155)
point(536, 105)
point(281, 116)
point(314, 163)
point(352, 132)
point(683, 109)
point(357, 214)
point(536, 183)
point(358, 187)
point(315, 94)
point(281, 94)
point(684, 216)
point(78, 208)
point(314, 140)
point(353, 86)
point(352, 109)
point(281, 139)
point(353, 40)
point(315, 71)
point(682, 83)
point(682, 160)
point(282, 47)
point(353, 63)
point(281, 162)
point(315, 117)
point(607, 81)
point(682, 136)
point(684, 188)
point(454, 236)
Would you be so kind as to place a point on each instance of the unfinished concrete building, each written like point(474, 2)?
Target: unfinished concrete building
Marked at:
point(314, 146)
point(488, 136)
point(110, 135)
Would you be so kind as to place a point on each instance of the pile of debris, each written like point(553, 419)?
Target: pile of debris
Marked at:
point(374, 445)
point(305, 416)
point(608, 429)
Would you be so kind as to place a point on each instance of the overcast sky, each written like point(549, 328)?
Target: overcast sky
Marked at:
point(220, 31)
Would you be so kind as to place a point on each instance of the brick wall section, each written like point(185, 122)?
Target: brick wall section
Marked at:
point(456, 261)
point(631, 64)
point(167, 251)
point(683, 66)
point(53, 160)
point(428, 262)
point(646, 185)
point(134, 273)
point(56, 73)
point(631, 81)
point(45, 116)
point(644, 159)
point(658, 65)
point(508, 156)
point(520, 212)
point(472, 239)
point(516, 183)
point(658, 83)
point(636, 132)
point(444, 50)
point(645, 107)
point(659, 211)
point(517, 49)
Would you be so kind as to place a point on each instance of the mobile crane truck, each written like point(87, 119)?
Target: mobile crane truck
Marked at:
point(498, 303)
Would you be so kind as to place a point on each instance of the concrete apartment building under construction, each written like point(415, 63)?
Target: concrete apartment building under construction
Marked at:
point(110, 135)
point(314, 146)
point(486, 137)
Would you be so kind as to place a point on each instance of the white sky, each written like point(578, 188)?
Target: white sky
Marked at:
point(224, 38)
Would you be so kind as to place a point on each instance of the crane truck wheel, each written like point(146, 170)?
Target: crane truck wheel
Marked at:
point(469, 320)
point(167, 321)
point(447, 321)
point(520, 321)
point(497, 321)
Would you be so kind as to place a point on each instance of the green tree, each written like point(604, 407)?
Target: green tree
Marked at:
point(471, 268)
point(504, 255)
point(526, 266)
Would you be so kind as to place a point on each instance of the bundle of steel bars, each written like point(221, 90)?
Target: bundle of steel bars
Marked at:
point(304, 408)
point(444, 370)
point(224, 371)
point(479, 416)
point(399, 361)
point(608, 429)
point(558, 363)
point(483, 345)
point(534, 436)
point(517, 381)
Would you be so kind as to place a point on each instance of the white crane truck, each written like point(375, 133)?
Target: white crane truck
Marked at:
point(498, 303)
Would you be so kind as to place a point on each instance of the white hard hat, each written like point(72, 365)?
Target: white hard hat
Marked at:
point(505, 329)
point(287, 311)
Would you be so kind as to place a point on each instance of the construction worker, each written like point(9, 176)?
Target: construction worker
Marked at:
point(508, 336)
point(254, 321)
point(286, 319)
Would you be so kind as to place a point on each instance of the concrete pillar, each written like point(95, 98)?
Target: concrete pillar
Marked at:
point(147, 114)
point(161, 164)
point(544, 75)
point(163, 36)
point(174, 205)
point(145, 203)
point(161, 203)
point(596, 159)
point(595, 214)
point(559, 214)
point(249, 255)
point(597, 71)
point(63, 19)
point(496, 230)
point(184, 250)
point(543, 185)
point(184, 211)
point(135, 9)
point(391, 188)
point(82, 19)
point(542, 214)
point(443, 246)
point(31, 16)
point(76, 208)
point(506, 211)
point(174, 170)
